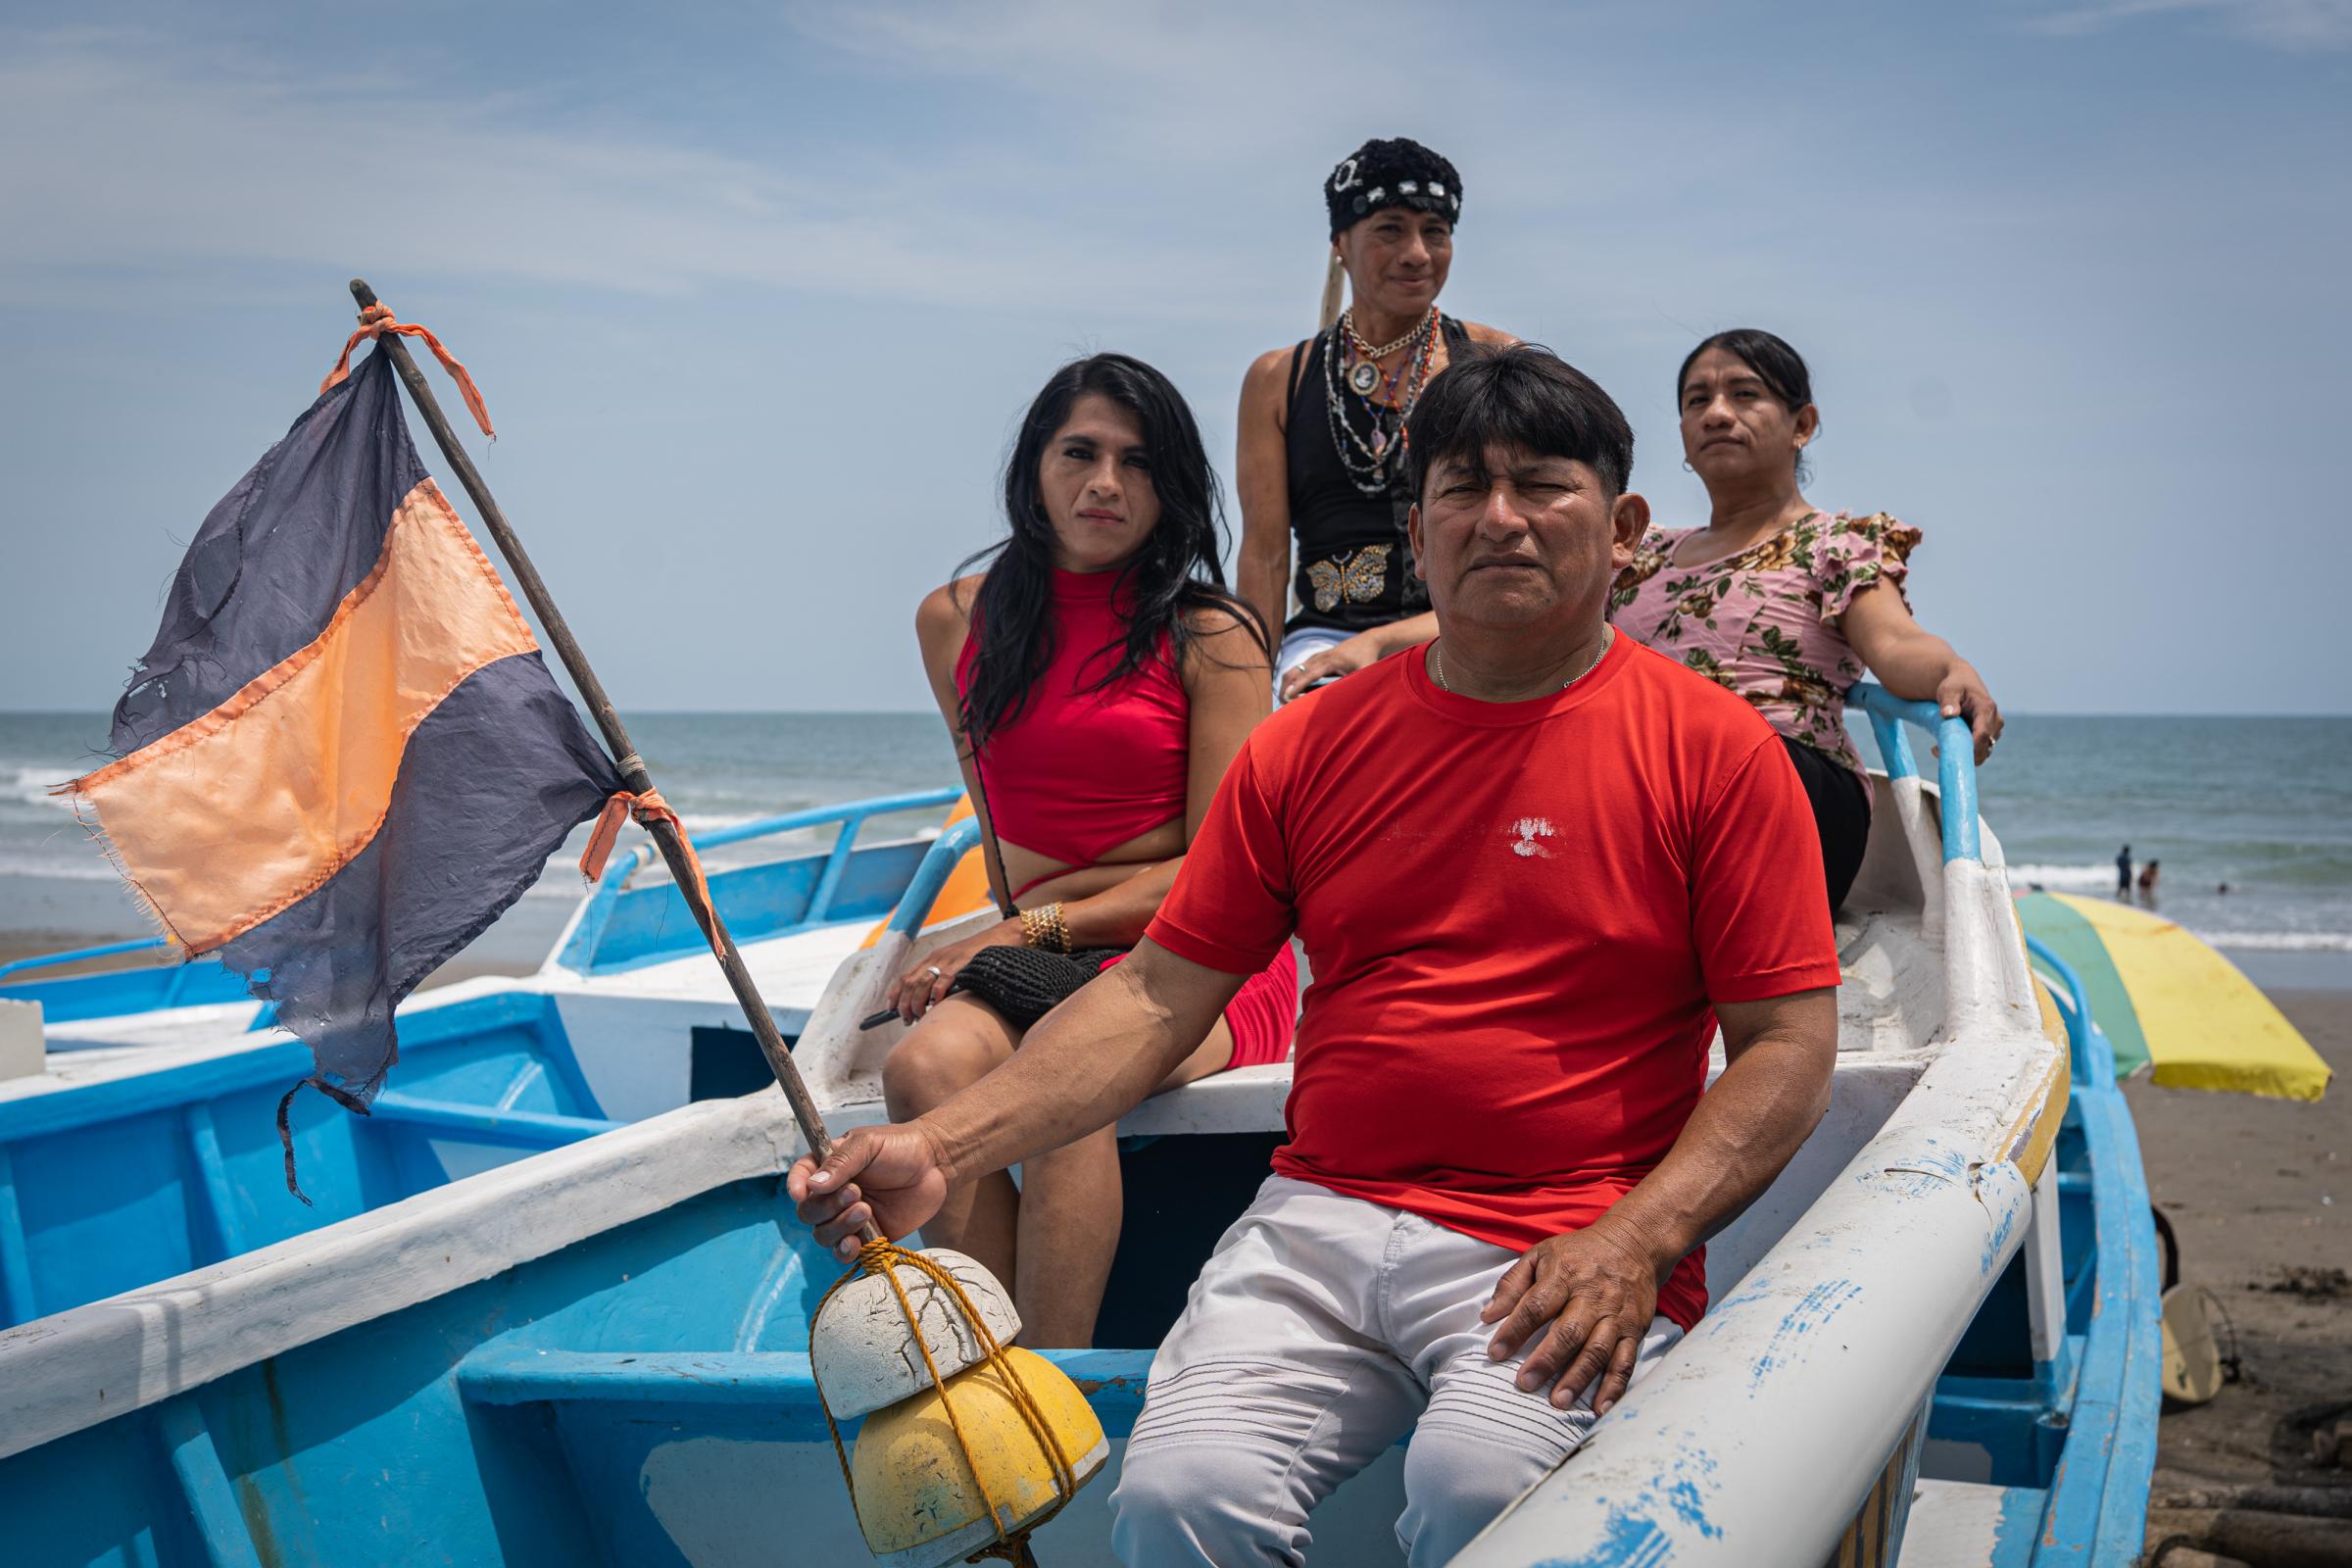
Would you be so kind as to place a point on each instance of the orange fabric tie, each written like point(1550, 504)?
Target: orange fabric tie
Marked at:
point(647, 808)
point(374, 321)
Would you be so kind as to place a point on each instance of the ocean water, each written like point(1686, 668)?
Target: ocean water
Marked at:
point(2262, 805)
point(716, 769)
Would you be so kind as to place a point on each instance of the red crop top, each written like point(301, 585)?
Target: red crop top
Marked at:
point(1080, 772)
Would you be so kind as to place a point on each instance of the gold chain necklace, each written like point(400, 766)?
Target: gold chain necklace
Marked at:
point(1437, 662)
point(1365, 351)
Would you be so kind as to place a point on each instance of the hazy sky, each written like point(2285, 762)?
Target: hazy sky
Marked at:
point(757, 293)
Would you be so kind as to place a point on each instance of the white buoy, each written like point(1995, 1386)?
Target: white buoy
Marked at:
point(860, 1348)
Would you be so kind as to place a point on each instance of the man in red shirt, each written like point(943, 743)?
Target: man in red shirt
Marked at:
point(1534, 865)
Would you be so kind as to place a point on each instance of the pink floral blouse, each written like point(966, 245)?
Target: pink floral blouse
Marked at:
point(1764, 622)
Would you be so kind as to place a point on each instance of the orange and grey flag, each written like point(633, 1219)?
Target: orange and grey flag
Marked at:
point(343, 757)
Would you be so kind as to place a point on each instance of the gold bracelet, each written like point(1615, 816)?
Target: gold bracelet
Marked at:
point(1044, 927)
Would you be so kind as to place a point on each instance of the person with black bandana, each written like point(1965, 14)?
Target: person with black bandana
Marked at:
point(1321, 449)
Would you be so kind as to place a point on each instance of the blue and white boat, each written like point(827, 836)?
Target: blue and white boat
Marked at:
point(1933, 1339)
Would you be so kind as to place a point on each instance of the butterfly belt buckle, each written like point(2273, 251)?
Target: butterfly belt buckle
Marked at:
point(1358, 578)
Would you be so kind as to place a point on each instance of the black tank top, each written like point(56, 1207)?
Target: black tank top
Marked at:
point(1355, 566)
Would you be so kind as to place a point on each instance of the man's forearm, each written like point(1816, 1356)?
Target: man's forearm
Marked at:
point(1743, 1133)
point(1084, 1065)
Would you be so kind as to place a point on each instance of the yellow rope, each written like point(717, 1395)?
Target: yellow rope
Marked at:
point(882, 1257)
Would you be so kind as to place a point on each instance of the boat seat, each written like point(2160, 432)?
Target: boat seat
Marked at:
point(629, 1386)
point(1958, 1524)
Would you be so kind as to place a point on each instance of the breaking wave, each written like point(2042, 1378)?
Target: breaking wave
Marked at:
point(32, 785)
point(2064, 877)
point(2280, 941)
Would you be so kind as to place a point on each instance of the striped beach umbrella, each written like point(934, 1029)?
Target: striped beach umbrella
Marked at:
point(2170, 1003)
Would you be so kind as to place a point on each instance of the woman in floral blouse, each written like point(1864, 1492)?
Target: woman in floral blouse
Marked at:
point(1784, 603)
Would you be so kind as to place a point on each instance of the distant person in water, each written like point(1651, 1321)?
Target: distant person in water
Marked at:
point(1321, 455)
point(1485, 1225)
point(1097, 679)
point(2147, 880)
point(1783, 603)
point(2123, 872)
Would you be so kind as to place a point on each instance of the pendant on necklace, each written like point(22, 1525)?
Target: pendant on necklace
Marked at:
point(1364, 378)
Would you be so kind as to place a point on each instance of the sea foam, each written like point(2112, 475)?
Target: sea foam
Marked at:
point(2066, 877)
point(2280, 941)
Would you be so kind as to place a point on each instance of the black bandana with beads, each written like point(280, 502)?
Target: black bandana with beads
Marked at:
point(1392, 173)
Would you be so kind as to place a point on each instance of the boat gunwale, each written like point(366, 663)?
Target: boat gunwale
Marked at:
point(89, 1364)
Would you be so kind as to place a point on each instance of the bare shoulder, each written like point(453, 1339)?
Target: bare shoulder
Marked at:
point(945, 615)
point(1268, 378)
point(1225, 635)
point(1273, 366)
point(1209, 622)
point(1489, 336)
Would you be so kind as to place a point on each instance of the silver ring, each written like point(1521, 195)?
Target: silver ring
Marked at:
point(933, 970)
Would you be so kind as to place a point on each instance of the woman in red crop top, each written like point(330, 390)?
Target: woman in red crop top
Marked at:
point(1097, 677)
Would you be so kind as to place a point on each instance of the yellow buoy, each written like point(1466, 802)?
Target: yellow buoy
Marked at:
point(918, 1499)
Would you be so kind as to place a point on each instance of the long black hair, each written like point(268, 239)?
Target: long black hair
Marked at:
point(1176, 571)
point(1776, 364)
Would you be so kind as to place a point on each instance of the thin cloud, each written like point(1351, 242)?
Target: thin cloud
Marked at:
point(2290, 25)
point(127, 145)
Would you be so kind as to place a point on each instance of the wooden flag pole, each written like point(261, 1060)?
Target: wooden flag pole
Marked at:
point(633, 775)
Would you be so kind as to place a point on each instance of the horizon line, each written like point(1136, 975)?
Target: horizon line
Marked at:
point(926, 713)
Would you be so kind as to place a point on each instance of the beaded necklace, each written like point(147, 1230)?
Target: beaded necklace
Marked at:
point(1364, 350)
point(1367, 456)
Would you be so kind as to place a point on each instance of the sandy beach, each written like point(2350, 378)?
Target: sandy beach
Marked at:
point(2260, 1196)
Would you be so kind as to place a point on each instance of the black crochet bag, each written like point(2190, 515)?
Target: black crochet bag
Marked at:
point(1024, 984)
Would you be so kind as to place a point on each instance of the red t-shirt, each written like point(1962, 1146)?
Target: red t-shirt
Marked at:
point(1517, 915)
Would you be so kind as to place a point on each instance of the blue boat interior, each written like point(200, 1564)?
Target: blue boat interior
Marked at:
point(622, 928)
point(117, 1183)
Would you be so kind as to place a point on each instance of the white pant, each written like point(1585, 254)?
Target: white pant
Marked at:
point(1299, 647)
point(1319, 1330)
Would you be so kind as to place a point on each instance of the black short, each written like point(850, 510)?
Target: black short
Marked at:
point(1840, 803)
